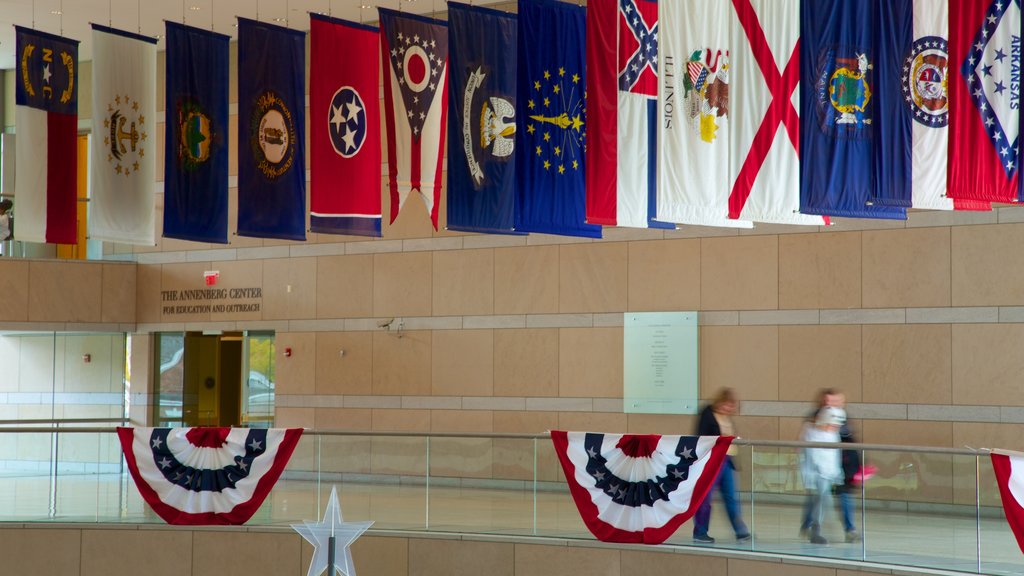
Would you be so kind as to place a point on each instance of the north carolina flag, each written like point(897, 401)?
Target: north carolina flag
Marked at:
point(1009, 470)
point(344, 128)
point(46, 120)
point(415, 60)
point(984, 99)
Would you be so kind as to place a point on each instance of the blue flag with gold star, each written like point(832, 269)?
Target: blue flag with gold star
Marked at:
point(551, 127)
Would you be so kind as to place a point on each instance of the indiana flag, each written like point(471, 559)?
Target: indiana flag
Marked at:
point(123, 169)
point(854, 133)
point(482, 122)
point(695, 68)
point(415, 59)
point(1009, 470)
point(344, 128)
point(622, 107)
point(203, 476)
point(46, 120)
point(638, 488)
point(984, 100)
point(764, 159)
point(196, 144)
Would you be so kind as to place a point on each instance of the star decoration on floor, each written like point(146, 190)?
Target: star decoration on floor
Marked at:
point(319, 533)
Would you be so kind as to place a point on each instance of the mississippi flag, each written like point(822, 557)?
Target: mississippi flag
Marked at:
point(415, 59)
point(1009, 469)
point(200, 476)
point(622, 107)
point(638, 488)
point(46, 118)
point(984, 115)
point(344, 128)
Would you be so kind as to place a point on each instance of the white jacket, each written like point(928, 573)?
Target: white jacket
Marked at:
point(816, 463)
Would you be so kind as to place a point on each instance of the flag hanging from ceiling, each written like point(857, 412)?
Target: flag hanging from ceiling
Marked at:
point(415, 59)
point(1009, 471)
point(271, 131)
point(482, 121)
point(764, 158)
point(196, 136)
point(622, 103)
point(984, 100)
point(695, 68)
point(638, 488)
point(123, 171)
point(551, 130)
point(854, 133)
point(46, 120)
point(202, 476)
point(344, 127)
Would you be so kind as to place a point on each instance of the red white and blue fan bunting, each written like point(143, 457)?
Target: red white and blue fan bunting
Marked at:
point(195, 476)
point(638, 488)
point(1009, 470)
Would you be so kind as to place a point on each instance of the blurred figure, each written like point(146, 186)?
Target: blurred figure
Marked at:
point(821, 468)
point(850, 459)
point(716, 420)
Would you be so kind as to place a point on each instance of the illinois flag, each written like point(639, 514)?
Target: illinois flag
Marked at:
point(551, 131)
point(415, 58)
point(855, 131)
point(695, 68)
point(482, 121)
point(764, 141)
point(46, 120)
point(984, 100)
point(202, 476)
point(123, 170)
point(196, 142)
point(622, 103)
point(271, 131)
point(1009, 470)
point(638, 488)
point(344, 128)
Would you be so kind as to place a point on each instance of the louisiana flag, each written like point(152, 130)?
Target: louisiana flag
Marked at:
point(551, 131)
point(46, 120)
point(344, 128)
point(853, 121)
point(415, 58)
point(622, 107)
point(123, 152)
point(196, 138)
point(984, 100)
point(482, 122)
point(271, 131)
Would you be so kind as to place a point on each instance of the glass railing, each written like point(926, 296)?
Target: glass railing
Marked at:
point(924, 507)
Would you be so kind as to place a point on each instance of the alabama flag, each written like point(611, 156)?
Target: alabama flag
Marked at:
point(46, 119)
point(415, 59)
point(984, 96)
point(1009, 470)
point(764, 140)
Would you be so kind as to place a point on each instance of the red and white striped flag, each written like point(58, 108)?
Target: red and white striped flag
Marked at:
point(1009, 469)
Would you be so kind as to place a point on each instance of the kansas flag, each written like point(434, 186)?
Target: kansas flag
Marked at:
point(551, 130)
point(46, 119)
point(344, 127)
point(196, 143)
point(855, 137)
point(271, 131)
point(482, 122)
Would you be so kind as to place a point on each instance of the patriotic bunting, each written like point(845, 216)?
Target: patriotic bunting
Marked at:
point(1009, 470)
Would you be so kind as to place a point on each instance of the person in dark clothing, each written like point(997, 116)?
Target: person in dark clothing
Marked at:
point(716, 420)
point(830, 397)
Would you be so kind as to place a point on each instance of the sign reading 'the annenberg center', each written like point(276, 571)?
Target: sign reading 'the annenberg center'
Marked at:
point(660, 363)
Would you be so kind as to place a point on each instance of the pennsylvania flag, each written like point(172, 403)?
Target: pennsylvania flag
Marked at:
point(196, 144)
point(482, 121)
point(551, 130)
point(46, 119)
point(271, 131)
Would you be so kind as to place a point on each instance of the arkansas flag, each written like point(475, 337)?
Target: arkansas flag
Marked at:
point(984, 99)
point(415, 59)
point(764, 159)
point(1009, 470)
point(46, 120)
point(344, 128)
point(202, 476)
point(638, 488)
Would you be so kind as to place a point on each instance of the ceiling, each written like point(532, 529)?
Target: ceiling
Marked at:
point(72, 18)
